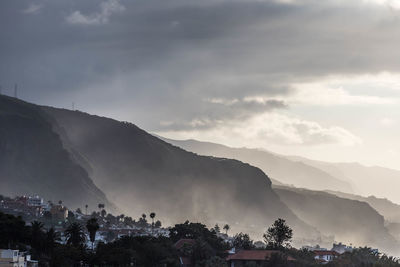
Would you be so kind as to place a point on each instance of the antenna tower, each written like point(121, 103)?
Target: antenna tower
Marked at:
point(16, 91)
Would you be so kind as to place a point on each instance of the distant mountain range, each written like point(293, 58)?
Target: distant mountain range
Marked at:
point(85, 159)
point(377, 181)
point(279, 168)
point(301, 172)
point(336, 210)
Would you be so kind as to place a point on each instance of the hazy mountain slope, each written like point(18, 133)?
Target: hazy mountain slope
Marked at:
point(389, 210)
point(277, 167)
point(33, 160)
point(348, 220)
point(377, 181)
point(394, 229)
point(141, 173)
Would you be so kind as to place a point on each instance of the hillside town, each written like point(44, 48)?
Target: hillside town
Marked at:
point(199, 133)
point(58, 216)
point(190, 244)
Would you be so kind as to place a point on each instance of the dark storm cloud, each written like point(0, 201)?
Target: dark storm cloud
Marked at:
point(161, 61)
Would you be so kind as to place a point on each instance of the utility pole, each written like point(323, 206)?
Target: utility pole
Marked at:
point(16, 91)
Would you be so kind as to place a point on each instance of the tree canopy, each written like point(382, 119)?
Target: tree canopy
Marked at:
point(279, 235)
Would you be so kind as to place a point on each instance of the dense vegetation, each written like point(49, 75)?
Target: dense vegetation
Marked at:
point(208, 249)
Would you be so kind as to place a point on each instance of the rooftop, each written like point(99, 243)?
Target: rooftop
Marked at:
point(257, 255)
point(181, 242)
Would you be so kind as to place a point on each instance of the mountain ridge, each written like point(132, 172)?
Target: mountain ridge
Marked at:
point(278, 167)
point(367, 180)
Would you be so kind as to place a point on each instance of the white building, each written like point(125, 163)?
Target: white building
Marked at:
point(15, 258)
point(325, 256)
point(35, 201)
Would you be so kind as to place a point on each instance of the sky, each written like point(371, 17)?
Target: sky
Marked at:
point(319, 79)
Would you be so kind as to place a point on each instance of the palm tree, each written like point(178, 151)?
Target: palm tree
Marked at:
point(37, 235)
point(226, 228)
point(103, 213)
point(51, 239)
point(152, 215)
point(37, 226)
point(75, 235)
point(101, 206)
point(92, 226)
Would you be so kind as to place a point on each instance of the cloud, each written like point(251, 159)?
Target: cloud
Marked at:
point(217, 112)
point(107, 9)
point(321, 95)
point(33, 9)
point(286, 129)
point(393, 4)
point(267, 128)
point(324, 96)
point(185, 65)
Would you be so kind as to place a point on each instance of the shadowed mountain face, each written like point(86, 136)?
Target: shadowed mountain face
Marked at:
point(141, 173)
point(33, 160)
point(347, 220)
point(389, 210)
point(278, 167)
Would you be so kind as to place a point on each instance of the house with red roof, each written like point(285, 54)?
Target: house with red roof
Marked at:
point(242, 257)
point(182, 245)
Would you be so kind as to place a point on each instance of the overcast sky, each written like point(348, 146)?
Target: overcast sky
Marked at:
point(305, 77)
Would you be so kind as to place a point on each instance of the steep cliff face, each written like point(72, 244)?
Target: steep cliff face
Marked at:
point(34, 161)
point(141, 173)
point(389, 210)
point(347, 220)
